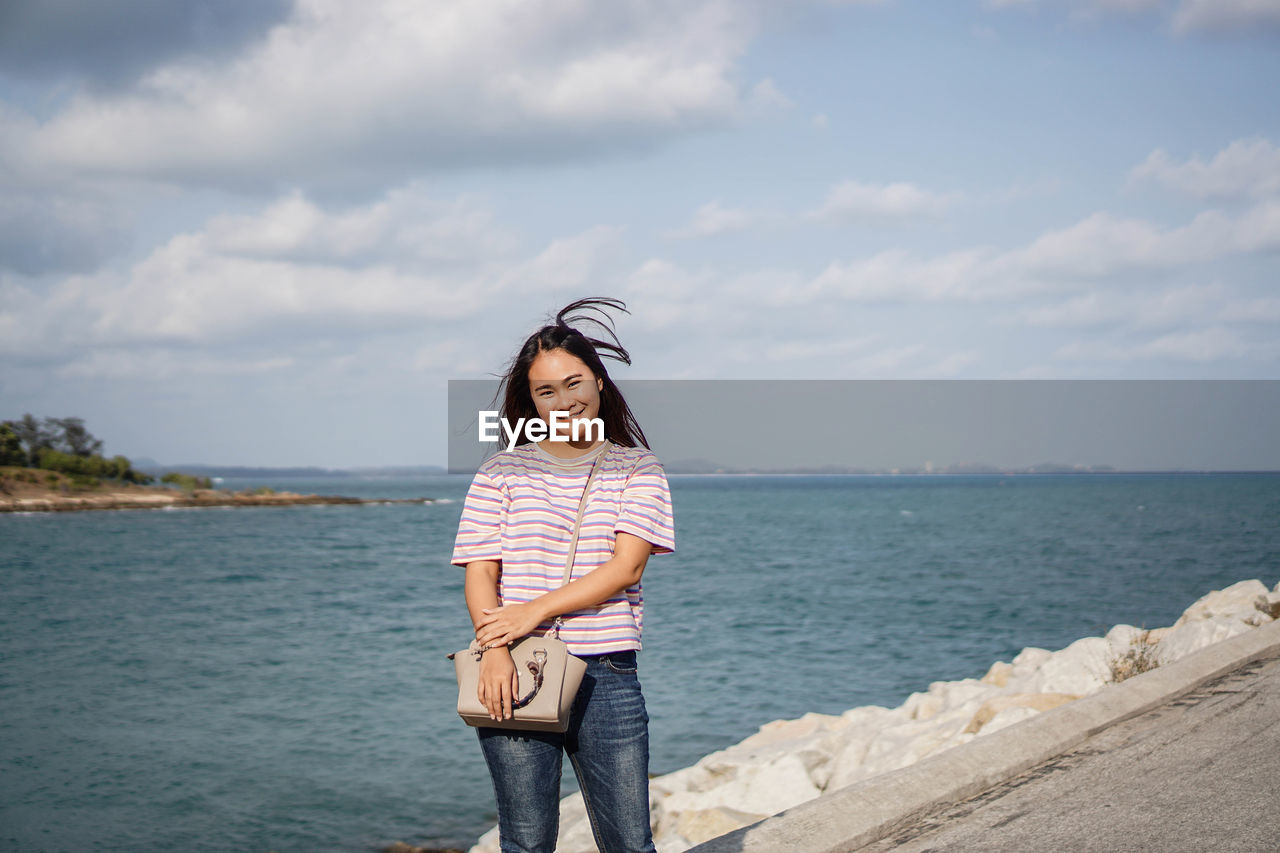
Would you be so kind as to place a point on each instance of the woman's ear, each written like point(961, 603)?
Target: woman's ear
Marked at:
point(599, 384)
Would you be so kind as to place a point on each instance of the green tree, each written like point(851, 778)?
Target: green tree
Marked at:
point(11, 452)
point(70, 436)
point(33, 436)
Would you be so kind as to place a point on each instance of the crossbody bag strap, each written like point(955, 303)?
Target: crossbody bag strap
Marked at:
point(577, 529)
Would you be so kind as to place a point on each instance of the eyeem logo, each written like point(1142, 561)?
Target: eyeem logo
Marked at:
point(536, 429)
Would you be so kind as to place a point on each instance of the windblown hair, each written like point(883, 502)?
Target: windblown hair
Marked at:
point(620, 425)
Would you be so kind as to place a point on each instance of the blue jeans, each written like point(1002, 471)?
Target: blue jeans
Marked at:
point(608, 745)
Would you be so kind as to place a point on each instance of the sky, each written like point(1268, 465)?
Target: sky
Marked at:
point(269, 233)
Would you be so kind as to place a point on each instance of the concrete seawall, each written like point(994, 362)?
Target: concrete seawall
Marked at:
point(868, 811)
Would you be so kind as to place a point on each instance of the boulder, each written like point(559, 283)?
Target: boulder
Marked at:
point(765, 788)
point(790, 730)
point(906, 743)
point(1244, 600)
point(1080, 669)
point(998, 675)
point(701, 825)
point(1007, 718)
point(1183, 639)
point(943, 696)
point(1035, 702)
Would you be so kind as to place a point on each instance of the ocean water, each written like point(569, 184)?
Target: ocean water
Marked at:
point(258, 679)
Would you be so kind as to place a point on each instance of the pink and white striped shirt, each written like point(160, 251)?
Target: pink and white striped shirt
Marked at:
point(521, 508)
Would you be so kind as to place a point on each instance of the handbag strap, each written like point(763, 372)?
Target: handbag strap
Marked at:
point(577, 529)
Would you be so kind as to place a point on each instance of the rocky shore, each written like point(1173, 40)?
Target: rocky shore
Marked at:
point(58, 494)
point(788, 762)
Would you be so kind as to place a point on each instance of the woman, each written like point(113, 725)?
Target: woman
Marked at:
point(514, 540)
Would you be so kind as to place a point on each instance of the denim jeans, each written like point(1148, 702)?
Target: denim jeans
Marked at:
point(608, 745)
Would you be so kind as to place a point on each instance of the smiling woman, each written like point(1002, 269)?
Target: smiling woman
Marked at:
point(517, 540)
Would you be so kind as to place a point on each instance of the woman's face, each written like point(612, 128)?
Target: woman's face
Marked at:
point(559, 381)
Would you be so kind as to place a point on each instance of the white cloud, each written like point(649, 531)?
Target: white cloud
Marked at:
point(713, 218)
point(846, 201)
point(405, 226)
point(1214, 343)
point(165, 364)
point(1247, 168)
point(1097, 248)
point(1182, 16)
point(897, 276)
point(343, 91)
point(1101, 244)
point(1226, 15)
point(1131, 307)
point(881, 202)
point(292, 272)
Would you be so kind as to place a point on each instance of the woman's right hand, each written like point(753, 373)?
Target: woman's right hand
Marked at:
point(499, 682)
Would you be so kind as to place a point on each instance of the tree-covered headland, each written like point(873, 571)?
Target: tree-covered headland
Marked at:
point(65, 446)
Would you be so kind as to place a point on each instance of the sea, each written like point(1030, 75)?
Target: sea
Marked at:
point(274, 678)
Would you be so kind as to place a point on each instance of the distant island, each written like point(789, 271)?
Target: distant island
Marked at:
point(56, 465)
point(36, 490)
point(703, 466)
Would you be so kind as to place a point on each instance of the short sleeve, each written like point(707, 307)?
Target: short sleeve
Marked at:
point(646, 506)
point(480, 528)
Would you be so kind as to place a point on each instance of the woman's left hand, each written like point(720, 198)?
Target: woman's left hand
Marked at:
point(502, 625)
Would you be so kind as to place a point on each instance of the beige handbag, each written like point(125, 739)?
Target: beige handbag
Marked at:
point(549, 676)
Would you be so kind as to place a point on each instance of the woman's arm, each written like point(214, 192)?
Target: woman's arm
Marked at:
point(498, 626)
point(498, 677)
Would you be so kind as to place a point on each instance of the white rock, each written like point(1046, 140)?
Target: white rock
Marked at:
point(1008, 717)
point(1024, 667)
point(1182, 640)
point(671, 844)
point(945, 696)
point(790, 730)
point(702, 825)
point(1080, 669)
point(991, 709)
point(906, 743)
point(765, 789)
point(487, 843)
point(575, 827)
point(1029, 659)
point(1240, 601)
point(788, 762)
point(1122, 637)
point(868, 715)
point(998, 675)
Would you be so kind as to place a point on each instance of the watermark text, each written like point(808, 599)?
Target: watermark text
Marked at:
point(561, 428)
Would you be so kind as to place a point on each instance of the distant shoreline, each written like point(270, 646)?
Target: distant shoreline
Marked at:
point(35, 490)
point(210, 499)
point(907, 475)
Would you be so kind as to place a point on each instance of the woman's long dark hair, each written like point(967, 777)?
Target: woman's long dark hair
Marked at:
point(620, 425)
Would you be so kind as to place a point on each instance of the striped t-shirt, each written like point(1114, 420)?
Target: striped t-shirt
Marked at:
point(521, 509)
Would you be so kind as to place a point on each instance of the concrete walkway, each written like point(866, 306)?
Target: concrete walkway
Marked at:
point(1185, 757)
point(1200, 773)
